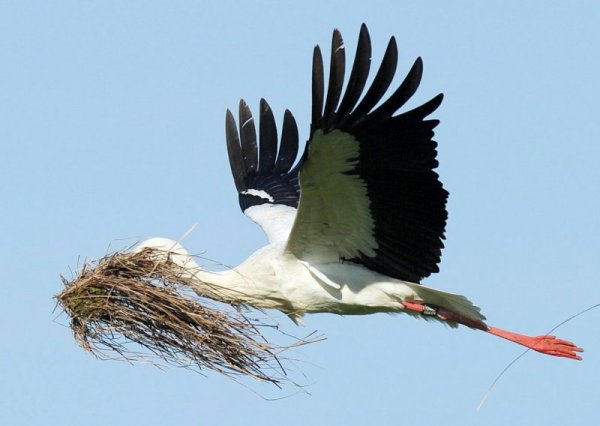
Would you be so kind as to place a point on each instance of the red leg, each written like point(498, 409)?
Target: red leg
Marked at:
point(548, 345)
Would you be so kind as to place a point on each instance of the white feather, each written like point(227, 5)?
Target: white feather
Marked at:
point(333, 217)
point(275, 219)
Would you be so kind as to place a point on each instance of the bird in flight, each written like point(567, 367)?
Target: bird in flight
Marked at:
point(358, 220)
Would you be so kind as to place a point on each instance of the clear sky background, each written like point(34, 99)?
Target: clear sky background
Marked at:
point(112, 126)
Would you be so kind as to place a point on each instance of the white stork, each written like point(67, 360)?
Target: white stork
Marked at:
point(358, 221)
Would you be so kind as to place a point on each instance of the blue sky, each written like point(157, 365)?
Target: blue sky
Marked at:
point(112, 127)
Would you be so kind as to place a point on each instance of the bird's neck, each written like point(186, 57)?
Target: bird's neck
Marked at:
point(232, 287)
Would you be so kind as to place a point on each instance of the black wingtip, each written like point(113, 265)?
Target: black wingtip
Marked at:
point(318, 89)
point(393, 43)
point(337, 70)
point(418, 65)
point(427, 108)
point(382, 80)
point(234, 151)
point(267, 138)
point(288, 148)
point(248, 138)
point(436, 101)
point(264, 107)
point(358, 76)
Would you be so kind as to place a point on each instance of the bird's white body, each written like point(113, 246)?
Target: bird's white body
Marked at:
point(274, 279)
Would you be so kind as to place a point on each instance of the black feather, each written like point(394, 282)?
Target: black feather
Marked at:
point(235, 152)
point(267, 138)
point(318, 88)
point(288, 148)
point(404, 92)
point(382, 80)
point(336, 78)
point(248, 138)
point(359, 74)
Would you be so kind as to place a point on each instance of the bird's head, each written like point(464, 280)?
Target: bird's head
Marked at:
point(170, 249)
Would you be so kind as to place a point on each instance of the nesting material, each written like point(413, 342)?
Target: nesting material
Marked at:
point(139, 307)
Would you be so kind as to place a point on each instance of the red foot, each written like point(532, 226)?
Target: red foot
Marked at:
point(548, 345)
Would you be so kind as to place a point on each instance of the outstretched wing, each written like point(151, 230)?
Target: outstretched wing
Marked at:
point(369, 193)
point(263, 174)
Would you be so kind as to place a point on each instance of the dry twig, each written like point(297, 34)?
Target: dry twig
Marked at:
point(128, 298)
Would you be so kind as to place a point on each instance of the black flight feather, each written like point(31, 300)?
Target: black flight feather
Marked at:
point(262, 173)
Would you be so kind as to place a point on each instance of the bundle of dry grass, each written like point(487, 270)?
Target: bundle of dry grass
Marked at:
point(128, 299)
